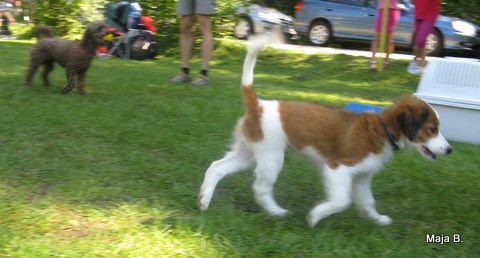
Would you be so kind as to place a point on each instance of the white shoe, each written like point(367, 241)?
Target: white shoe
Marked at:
point(414, 69)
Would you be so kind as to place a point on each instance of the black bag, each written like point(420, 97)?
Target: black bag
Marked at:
point(143, 46)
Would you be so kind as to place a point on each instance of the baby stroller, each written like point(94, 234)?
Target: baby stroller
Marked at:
point(133, 34)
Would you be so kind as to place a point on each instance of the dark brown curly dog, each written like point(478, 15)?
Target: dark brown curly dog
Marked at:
point(74, 56)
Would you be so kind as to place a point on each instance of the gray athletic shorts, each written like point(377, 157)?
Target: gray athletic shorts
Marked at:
point(191, 7)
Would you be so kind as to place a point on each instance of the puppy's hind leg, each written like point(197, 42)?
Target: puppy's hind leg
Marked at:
point(48, 67)
point(269, 165)
point(236, 160)
point(338, 186)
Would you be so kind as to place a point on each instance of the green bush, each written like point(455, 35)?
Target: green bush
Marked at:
point(22, 31)
point(465, 9)
point(67, 17)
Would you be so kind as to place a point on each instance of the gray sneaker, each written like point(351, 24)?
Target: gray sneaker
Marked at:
point(200, 81)
point(181, 78)
point(414, 69)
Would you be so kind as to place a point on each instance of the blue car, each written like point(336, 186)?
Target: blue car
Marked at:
point(324, 21)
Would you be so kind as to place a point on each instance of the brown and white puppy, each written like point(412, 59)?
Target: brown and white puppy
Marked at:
point(349, 148)
point(74, 56)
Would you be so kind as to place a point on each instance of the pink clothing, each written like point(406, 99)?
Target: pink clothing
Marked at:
point(393, 18)
point(422, 29)
point(393, 4)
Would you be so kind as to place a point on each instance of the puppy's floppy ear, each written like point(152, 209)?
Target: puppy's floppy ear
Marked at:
point(411, 120)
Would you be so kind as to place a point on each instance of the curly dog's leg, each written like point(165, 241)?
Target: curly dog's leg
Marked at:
point(81, 81)
point(32, 69)
point(48, 67)
point(70, 80)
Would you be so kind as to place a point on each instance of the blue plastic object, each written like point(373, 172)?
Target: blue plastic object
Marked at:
point(361, 108)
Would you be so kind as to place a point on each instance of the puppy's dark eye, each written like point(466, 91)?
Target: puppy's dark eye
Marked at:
point(433, 130)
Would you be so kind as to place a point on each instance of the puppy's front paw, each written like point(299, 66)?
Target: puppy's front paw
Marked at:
point(279, 212)
point(312, 220)
point(383, 220)
point(203, 202)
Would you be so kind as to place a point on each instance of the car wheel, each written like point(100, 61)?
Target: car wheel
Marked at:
point(320, 34)
point(243, 27)
point(434, 44)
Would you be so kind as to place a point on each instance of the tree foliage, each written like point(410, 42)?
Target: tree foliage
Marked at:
point(465, 9)
point(68, 17)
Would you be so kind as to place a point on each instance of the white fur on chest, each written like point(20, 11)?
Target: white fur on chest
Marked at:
point(372, 163)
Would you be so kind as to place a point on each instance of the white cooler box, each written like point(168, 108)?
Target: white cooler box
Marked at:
point(452, 87)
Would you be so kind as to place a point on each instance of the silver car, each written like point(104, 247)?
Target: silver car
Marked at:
point(5, 6)
point(254, 18)
point(324, 21)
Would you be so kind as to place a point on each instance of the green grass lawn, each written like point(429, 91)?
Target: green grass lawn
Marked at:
point(116, 172)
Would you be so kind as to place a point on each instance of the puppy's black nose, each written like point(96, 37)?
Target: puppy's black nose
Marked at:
point(449, 150)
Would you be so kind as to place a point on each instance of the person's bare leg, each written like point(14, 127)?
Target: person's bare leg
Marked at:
point(205, 24)
point(186, 45)
point(421, 56)
point(414, 52)
point(186, 39)
point(390, 46)
point(374, 46)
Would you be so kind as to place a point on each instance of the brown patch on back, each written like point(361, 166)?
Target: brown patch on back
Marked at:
point(340, 136)
point(251, 126)
point(364, 136)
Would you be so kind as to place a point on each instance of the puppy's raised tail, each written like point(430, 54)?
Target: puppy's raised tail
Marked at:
point(256, 44)
point(43, 31)
point(250, 101)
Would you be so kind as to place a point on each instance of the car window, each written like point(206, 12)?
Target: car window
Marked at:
point(349, 2)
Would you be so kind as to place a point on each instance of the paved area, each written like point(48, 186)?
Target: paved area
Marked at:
point(351, 52)
point(330, 50)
